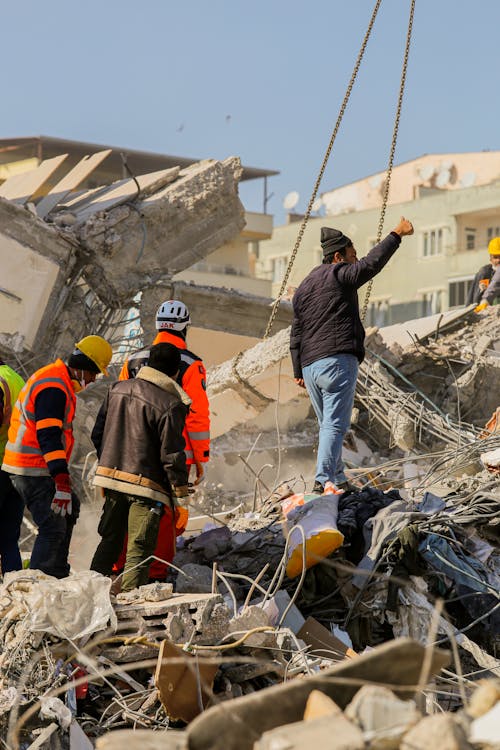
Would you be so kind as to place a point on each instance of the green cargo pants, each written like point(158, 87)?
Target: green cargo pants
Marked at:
point(139, 518)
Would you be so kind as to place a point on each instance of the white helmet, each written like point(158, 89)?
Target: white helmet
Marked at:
point(172, 315)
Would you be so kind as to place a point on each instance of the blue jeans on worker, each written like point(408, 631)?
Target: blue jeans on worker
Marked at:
point(331, 383)
point(51, 548)
point(11, 518)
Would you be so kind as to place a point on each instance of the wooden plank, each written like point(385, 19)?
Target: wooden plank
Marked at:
point(125, 190)
point(70, 182)
point(22, 186)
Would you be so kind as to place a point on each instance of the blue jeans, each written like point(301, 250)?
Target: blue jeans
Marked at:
point(331, 383)
point(11, 518)
point(51, 548)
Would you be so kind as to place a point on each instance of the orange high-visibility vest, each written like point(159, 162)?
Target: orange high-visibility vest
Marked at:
point(22, 452)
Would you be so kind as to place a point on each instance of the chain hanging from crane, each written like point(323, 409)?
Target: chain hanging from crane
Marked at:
point(390, 165)
point(329, 150)
point(322, 170)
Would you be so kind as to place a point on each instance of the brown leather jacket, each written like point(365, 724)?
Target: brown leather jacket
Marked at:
point(138, 436)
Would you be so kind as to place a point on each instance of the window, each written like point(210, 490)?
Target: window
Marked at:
point(431, 302)
point(458, 291)
point(379, 313)
point(492, 232)
point(470, 238)
point(278, 268)
point(432, 242)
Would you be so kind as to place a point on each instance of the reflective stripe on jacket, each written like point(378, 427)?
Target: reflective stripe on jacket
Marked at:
point(11, 384)
point(22, 452)
point(192, 379)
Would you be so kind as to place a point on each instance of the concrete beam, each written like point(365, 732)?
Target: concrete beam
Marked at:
point(214, 308)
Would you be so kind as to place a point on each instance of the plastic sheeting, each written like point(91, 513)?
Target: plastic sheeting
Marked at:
point(72, 607)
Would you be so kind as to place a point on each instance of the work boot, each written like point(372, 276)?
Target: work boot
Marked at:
point(318, 488)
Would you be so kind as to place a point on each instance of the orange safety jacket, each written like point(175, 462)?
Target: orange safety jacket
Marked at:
point(23, 454)
point(192, 379)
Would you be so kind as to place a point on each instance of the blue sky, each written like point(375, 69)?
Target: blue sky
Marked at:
point(262, 80)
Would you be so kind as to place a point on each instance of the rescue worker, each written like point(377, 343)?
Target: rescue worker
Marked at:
point(172, 322)
point(40, 441)
point(139, 441)
point(484, 276)
point(11, 505)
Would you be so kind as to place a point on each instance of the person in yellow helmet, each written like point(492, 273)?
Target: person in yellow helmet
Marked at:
point(38, 450)
point(484, 276)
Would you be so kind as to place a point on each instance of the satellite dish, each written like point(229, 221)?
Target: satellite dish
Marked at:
point(291, 200)
point(426, 171)
point(443, 178)
point(317, 204)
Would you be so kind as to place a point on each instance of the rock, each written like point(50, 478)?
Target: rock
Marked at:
point(484, 697)
point(197, 579)
point(319, 706)
point(319, 733)
point(486, 729)
point(382, 717)
point(441, 731)
point(253, 617)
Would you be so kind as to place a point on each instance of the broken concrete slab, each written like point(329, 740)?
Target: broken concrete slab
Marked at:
point(318, 733)
point(231, 311)
point(70, 182)
point(196, 618)
point(20, 187)
point(398, 663)
point(382, 717)
point(142, 739)
point(440, 731)
point(164, 233)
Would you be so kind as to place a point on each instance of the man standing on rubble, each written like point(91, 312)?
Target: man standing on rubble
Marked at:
point(483, 277)
point(327, 339)
point(11, 505)
point(40, 442)
point(139, 441)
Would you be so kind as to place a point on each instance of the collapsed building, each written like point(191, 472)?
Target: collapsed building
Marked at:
point(393, 624)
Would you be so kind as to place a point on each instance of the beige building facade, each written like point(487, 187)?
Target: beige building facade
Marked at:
point(432, 270)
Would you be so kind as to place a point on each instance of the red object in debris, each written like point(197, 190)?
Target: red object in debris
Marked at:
point(81, 690)
point(165, 546)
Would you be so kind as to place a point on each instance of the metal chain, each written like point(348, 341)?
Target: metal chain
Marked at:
point(322, 170)
point(388, 175)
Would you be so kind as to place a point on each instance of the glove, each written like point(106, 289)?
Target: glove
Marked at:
point(482, 306)
point(62, 498)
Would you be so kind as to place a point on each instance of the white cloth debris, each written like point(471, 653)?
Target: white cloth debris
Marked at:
point(54, 708)
point(72, 607)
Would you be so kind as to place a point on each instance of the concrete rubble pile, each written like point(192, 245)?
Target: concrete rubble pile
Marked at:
point(75, 261)
point(201, 657)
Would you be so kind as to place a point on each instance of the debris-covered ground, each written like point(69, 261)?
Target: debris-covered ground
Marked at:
point(363, 620)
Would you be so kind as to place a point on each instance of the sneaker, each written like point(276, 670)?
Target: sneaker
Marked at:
point(318, 488)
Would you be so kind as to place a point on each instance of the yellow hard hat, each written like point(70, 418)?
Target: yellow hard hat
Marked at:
point(98, 350)
point(494, 246)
